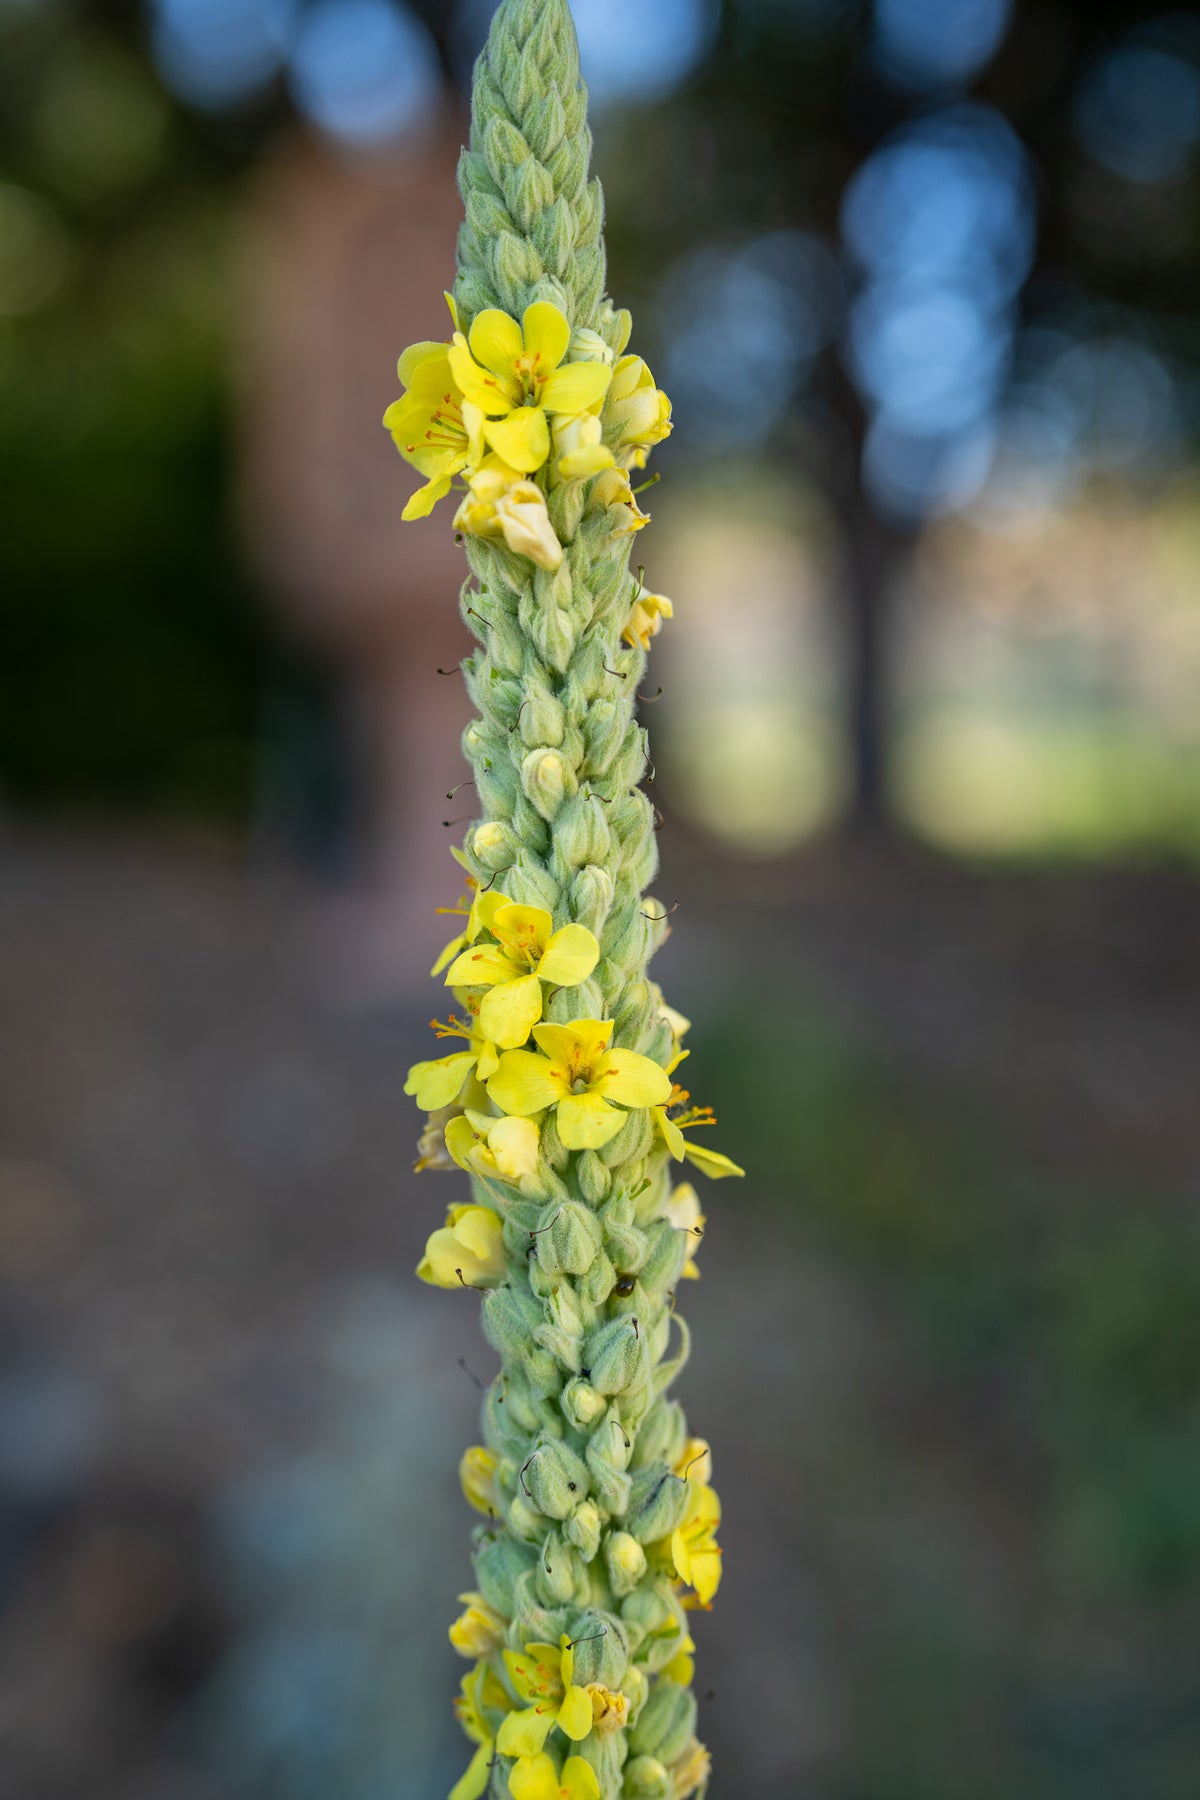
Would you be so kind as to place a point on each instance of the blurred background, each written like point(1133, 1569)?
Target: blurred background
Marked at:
point(922, 278)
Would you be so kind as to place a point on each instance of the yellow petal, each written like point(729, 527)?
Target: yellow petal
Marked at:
point(523, 1733)
point(522, 929)
point(483, 965)
point(510, 1011)
point(525, 1084)
point(569, 957)
point(535, 1778)
point(547, 335)
point(479, 1229)
point(523, 1671)
point(675, 1141)
point(426, 498)
point(575, 1713)
point(579, 465)
point(579, 1780)
point(476, 385)
point(514, 1143)
point(486, 904)
point(711, 1162)
point(461, 1139)
point(576, 388)
point(417, 354)
point(705, 1571)
point(437, 1084)
point(586, 1038)
point(522, 439)
point(586, 1122)
point(475, 1781)
point(452, 303)
point(496, 342)
point(449, 953)
point(632, 1079)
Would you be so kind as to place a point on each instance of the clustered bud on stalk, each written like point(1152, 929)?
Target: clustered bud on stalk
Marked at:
point(599, 1516)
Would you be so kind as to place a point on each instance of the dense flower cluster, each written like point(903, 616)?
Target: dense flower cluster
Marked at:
point(557, 1091)
point(506, 411)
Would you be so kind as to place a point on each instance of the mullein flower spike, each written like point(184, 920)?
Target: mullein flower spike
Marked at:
point(597, 1536)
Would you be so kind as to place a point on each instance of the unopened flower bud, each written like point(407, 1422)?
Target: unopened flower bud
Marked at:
point(646, 1779)
point(667, 1722)
point(626, 1561)
point(583, 1529)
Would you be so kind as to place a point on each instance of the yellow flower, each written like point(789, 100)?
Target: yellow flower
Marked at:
point(612, 490)
point(543, 1677)
point(514, 375)
point(527, 952)
point(536, 1778)
point(637, 415)
point(695, 1553)
point(503, 504)
point(435, 428)
point(690, 1770)
point(486, 902)
point(477, 1473)
point(580, 1076)
point(682, 1209)
point(579, 447)
point(481, 1692)
point(480, 1629)
point(610, 1712)
point(468, 1251)
point(646, 618)
point(499, 1149)
point(709, 1162)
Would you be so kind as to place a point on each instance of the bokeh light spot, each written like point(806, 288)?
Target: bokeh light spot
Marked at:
point(218, 53)
point(1138, 113)
point(35, 257)
point(365, 71)
point(938, 43)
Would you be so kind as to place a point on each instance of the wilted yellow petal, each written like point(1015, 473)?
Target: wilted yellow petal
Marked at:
point(711, 1162)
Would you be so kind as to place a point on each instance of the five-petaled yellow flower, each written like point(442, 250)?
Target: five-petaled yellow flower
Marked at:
point(536, 1778)
point(515, 375)
point(434, 427)
point(579, 1075)
point(504, 1149)
point(544, 1677)
point(646, 618)
point(527, 952)
point(468, 1251)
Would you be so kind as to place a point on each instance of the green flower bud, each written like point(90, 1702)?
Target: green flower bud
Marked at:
point(626, 1562)
point(646, 1779)
point(555, 1479)
point(510, 1318)
point(568, 1238)
point(617, 1356)
point(658, 1505)
point(582, 1405)
point(667, 1723)
point(499, 1563)
point(601, 1648)
point(662, 1436)
point(547, 781)
point(494, 846)
point(583, 1529)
